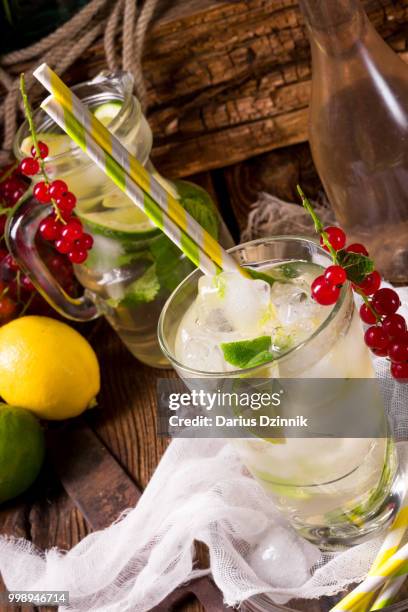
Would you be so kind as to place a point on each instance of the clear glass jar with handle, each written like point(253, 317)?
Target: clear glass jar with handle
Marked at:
point(132, 267)
point(358, 129)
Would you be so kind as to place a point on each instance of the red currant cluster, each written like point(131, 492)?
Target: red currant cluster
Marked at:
point(326, 288)
point(17, 293)
point(60, 227)
point(12, 187)
point(387, 335)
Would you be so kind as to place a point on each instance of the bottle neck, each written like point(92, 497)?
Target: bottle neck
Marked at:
point(334, 26)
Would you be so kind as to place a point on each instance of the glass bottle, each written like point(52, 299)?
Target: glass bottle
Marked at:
point(133, 267)
point(359, 129)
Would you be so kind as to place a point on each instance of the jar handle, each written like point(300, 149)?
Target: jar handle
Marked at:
point(21, 231)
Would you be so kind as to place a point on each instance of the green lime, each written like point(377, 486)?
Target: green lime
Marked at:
point(248, 353)
point(129, 222)
point(22, 450)
point(108, 111)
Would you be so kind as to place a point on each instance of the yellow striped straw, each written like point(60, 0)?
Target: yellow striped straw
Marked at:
point(69, 124)
point(131, 177)
point(390, 563)
point(388, 593)
point(395, 566)
point(389, 547)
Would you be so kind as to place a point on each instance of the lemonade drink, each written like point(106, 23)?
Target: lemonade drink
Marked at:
point(333, 490)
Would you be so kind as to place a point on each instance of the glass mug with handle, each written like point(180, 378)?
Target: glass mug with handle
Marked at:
point(133, 267)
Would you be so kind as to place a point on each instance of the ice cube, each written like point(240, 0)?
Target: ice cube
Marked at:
point(283, 559)
point(201, 354)
point(245, 302)
point(293, 302)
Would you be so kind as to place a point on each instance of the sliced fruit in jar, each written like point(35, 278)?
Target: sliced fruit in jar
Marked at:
point(125, 221)
point(108, 111)
point(56, 143)
point(60, 143)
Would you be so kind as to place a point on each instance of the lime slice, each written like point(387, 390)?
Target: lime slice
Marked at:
point(248, 353)
point(126, 221)
point(106, 112)
point(57, 143)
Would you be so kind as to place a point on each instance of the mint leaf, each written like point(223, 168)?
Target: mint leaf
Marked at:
point(199, 204)
point(356, 265)
point(271, 277)
point(247, 353)
point(142, 290)
point(171, 266)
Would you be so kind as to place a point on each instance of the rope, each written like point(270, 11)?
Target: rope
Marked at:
point(62, 48)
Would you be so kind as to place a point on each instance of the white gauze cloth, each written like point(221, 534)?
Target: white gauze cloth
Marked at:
point(199, 492)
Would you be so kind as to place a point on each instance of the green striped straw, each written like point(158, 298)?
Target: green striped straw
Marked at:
point(132, 178)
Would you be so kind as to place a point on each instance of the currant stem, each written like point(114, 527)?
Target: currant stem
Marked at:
point(319, 227)
point(29, 116)
point(27, 305)
point(367, 303)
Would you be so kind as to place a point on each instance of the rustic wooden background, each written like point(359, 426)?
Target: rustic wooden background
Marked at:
point(228, 86)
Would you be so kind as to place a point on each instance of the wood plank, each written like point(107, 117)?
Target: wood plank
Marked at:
point(94, 481)
point(277, 172)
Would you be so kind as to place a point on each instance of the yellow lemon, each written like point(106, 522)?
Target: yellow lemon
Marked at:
point(47, 367)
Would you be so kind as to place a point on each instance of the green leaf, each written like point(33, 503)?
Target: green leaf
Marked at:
point(142, 290)
point(199, 204)
point(171, 266)
point(356, 265)
point(277, 275)
point(248, 353)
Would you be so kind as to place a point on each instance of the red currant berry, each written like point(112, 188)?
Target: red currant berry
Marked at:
point(356, 247)
point(41, 192)
point(336, 275)
point(336, 237)
point(380, 352)
point(44, 152)
point(386, 301)
point(7, 308)
point(394, 325)
point(398, 351)
point(77, 256)
point(14, 197)
point(66, 202)
point(371, 283)
point(376, 338)
point(29, 166)
point(11, 263)
point(323, 292)
point(72, 230)
point(3, 221)
point(400, 371)
point(50, 228)
point(9, 186)
point(63, 246)
point(60, 266)
point(57, 188)
point(26, 284)
point(67, 199)
point(367, 315)
point(84, 243)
